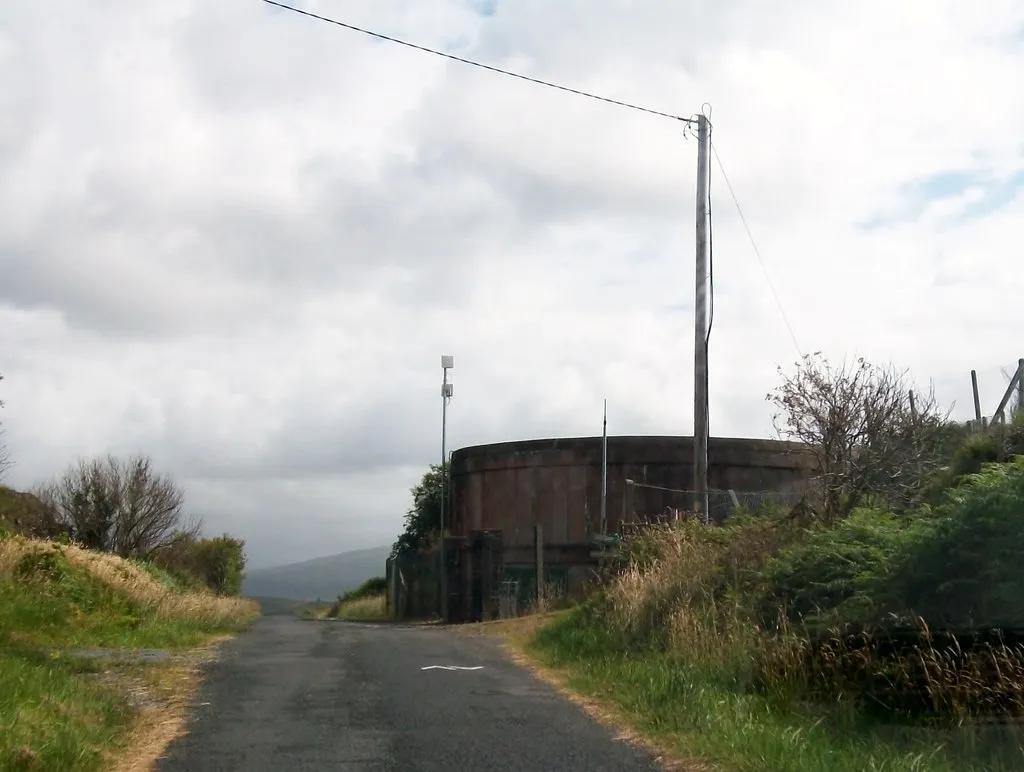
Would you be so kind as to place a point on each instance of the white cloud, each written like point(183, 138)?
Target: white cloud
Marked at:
point(239, 239)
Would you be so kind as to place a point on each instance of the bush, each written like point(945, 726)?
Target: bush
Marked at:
point(217, 564)
point(967, 572)
point(118, 505)
point(975, 451)
point(220, 564)
point(837, 574)
point(378, 585)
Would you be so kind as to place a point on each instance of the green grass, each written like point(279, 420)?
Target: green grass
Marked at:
point(706, 711)
point(51, 716)
point(165, 578)
point(87, 613)
point(709, 639)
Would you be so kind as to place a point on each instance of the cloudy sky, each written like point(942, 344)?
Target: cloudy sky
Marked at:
point(239, 239)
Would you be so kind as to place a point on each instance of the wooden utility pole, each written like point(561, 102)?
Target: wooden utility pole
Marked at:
point(700, 340)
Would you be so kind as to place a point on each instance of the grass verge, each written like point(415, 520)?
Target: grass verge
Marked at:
point(693, 709)
point(673, 649)
point(63, 711)
point(366, 608)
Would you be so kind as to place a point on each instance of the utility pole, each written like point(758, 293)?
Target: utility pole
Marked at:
point(447, 363)
point(604, 472)
point(700, 349)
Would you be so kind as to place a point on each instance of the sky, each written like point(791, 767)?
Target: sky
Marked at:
point(239, 240)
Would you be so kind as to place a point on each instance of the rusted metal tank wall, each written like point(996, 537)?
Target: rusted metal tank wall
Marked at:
point(511, 486)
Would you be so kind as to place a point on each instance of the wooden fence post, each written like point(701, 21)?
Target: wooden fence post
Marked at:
point(538, 546)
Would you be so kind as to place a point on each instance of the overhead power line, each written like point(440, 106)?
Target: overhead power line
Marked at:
point(757, 252)
point(481, 65)
point(566, 89)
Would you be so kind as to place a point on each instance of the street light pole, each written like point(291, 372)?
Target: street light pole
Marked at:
point(447, 363)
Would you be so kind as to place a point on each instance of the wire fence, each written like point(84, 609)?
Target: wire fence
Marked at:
point(644, 503)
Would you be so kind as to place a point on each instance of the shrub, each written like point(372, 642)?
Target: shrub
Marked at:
point(967, 572)
point(378, 585)
point(837, 574)
point(217, 564)
point(975, 451)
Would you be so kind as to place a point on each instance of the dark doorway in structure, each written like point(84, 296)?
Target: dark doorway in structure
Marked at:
point(486, 571)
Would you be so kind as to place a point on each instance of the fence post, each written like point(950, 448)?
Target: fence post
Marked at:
point(538, 546)
point(1020, 386)
point(977, 396)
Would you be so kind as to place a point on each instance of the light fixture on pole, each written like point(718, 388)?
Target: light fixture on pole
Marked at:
point(447, 363)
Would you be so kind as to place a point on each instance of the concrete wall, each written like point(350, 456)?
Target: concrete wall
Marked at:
point(510, 486)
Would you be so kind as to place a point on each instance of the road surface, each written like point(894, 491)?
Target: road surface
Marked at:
point(293, 695)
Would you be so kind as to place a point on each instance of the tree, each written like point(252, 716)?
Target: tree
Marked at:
point(219, 563)
point(5, 459)
point(216, 563)
point(423, 518)
point(869, 432)
point(121, 506)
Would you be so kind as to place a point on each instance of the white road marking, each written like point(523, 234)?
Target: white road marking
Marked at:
point(451, 667)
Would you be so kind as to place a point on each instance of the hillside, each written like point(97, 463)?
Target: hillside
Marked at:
point(97, 655)
point(19, 511)
point(324, 578)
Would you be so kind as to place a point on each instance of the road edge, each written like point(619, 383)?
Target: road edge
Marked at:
point(514, 636)
point(172, 686)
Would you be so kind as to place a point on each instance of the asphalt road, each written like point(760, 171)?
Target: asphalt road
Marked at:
point(292, 695)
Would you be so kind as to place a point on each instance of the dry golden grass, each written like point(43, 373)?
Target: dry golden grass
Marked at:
point(671, 592)
point(918, 676)
point(516, 632)
point(136, 583)
point(681, 591)
point(169, 689)
point(369, 607)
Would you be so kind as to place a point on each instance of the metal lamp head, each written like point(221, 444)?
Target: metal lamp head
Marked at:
point(446, 390)
point(447, 362)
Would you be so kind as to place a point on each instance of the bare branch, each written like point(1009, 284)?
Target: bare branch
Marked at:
point(123, 506)
point(868, 434)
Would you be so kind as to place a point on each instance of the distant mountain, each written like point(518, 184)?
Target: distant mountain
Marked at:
point(323, 578)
